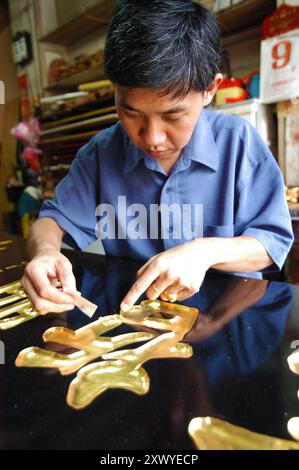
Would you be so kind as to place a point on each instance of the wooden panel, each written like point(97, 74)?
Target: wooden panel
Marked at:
point(7, 153)
point(72, 83)
point(105, 120)
point(92, 20)
point(244, 14)
point(69, 138)
point(4, 18)
point(9, 112)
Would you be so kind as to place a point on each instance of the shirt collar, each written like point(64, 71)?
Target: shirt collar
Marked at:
point(201, 148)
point(133, 154)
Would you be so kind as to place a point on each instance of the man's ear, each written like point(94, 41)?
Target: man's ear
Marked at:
point(211, 90)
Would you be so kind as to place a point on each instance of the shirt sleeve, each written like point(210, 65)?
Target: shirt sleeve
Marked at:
point(261, 209)
point(74, 205)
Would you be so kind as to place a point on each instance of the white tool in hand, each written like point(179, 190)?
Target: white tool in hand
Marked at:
point(83, 304)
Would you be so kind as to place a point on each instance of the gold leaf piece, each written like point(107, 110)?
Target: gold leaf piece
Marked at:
point(95, 379)
point(70, 363)
point(182, 321)
point(86, 337)
point(293, 428)
point(12, 298)
point(17, 320)
point(164, 346)
point(15, 301)
point(215, 434)
point(5, 242)
point(17, 307)
point(14, 287)
point(122, 368)
point(293, 361)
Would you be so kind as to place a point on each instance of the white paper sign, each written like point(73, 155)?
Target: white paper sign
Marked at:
point(280, 68)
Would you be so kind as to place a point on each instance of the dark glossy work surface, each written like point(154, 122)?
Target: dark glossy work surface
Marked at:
point(238, 371)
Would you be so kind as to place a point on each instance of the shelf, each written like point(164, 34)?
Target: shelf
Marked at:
point(69, 138)
point(246, 34)
point(92, 20)
point(71, 83)
point(107, 119)
point(241, 16)
point(96, 19)
point(76, 117)
point(244, 14)
point(76, 109)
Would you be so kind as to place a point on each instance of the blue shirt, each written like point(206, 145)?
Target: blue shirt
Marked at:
point(226, 167)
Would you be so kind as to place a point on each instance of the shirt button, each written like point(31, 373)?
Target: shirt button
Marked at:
point(168, 190)
point(170, 230)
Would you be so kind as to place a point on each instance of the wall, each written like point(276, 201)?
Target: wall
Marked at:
point(48, 17)
point(243, 50)
point(54, 13)
point(88, 47)
point(22, 18)
point(66, 9)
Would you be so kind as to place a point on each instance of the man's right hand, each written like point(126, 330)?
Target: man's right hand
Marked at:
point(40, 279)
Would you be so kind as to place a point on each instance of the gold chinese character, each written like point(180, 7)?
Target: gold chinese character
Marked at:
point(121, 368)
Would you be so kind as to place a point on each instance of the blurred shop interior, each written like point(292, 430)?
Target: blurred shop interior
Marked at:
point(54, 95)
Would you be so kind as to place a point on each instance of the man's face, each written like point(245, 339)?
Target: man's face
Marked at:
point(159, 125)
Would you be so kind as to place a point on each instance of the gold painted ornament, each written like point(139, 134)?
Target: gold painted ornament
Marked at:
point(293, 428)
point(15, 307)
point(88, 340)
point(121, 368)
point(293, 362)
point(4, 244)
point(214, 434)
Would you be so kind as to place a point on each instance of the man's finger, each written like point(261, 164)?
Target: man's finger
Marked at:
point(66, 276)
point(171, 293)
point(139, 287)
point(145, 266)
point(43, 305)
point(160, 285)
point(44, 288)
point(185, 294)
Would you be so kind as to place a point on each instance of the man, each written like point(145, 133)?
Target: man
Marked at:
point(167, 150)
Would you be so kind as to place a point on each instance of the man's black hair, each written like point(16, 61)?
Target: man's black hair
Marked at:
point(173, 45)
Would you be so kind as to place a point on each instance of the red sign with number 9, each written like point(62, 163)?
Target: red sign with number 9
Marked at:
point(281, 53)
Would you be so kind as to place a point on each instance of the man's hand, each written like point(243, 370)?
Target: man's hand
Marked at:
point(182, 269)
point(40, 278)
point(178, 273)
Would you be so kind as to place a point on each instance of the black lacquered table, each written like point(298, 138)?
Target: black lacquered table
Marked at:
point(238, 371)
